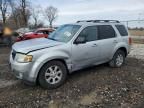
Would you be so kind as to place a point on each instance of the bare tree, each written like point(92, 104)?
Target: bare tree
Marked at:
point(16, 19)
point(14, 15)
point(51, 14)
point(3, 9)
point(23, 7)
point(25, 11)
point(39, 25)
point(35, 15)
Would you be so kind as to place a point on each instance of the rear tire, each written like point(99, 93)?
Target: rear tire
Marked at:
point(52, 75)
point(118, 59)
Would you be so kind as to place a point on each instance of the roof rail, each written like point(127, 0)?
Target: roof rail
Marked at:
point(100, 21)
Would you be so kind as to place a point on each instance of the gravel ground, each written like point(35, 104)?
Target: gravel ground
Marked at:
point(96, 87)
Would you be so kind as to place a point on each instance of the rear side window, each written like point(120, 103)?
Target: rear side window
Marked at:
point(105, 32)
point(122, 30)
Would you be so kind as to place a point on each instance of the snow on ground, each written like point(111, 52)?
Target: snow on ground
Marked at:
point(137, 51)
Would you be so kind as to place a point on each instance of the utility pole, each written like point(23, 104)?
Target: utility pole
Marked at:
point(127, 23)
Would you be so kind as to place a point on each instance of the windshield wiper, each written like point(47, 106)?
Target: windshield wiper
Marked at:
point(52, 39)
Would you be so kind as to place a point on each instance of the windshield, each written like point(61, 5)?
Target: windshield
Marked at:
point(65, 33)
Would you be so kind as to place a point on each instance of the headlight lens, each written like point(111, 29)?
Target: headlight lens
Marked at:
point(23, 58)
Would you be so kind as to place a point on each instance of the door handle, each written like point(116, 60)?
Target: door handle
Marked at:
point(115, 41)
point(94, 45)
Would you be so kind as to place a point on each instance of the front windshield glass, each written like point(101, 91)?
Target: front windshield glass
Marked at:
point(65, 33)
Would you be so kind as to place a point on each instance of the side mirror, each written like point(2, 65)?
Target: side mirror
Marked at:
point(80, 40)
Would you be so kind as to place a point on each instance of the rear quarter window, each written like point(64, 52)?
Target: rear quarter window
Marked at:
point(122, 30)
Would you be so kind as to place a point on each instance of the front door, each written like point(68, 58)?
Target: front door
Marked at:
point(87, 53)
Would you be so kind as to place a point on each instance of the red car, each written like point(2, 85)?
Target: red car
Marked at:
point(40, 33)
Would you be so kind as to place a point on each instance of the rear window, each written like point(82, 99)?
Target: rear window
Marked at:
point(122, 30)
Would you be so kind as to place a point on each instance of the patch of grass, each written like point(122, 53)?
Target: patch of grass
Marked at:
point(136, 32)
point(137, 40)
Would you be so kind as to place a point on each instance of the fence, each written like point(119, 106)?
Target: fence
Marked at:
point(134, 24)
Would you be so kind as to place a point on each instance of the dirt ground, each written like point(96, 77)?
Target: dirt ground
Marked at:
point(95, 87)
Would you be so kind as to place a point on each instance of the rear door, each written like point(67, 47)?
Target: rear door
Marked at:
point(107, 40)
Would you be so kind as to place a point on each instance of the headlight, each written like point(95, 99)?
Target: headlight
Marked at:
point(23, 58)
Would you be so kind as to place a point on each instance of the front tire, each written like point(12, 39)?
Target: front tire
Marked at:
point(52, 75)
point(118, 59)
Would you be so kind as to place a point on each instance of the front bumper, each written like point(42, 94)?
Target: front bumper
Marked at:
point(22, 71)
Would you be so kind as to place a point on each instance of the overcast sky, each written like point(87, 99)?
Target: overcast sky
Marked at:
point(73, 10)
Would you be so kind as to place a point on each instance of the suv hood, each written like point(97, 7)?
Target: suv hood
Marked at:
point(34, 44)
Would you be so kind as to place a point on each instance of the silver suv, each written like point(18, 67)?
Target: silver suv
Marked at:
point(71, 47)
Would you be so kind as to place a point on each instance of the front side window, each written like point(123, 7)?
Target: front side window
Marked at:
point(105, 32)
point(90, 33)
point(65, 33)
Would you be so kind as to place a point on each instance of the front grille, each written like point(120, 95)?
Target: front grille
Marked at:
point(13, 54)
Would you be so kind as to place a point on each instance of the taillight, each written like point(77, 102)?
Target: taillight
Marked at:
point(130, 40)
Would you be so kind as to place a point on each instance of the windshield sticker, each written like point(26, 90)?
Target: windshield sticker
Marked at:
point(68, 34)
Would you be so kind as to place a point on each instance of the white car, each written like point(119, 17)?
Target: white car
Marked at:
point(70, 48)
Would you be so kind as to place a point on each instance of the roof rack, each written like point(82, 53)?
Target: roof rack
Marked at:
point(100, 21)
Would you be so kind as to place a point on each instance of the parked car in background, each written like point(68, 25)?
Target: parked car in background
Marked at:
point(70, 48)
point(39, 33)
point(22, 31)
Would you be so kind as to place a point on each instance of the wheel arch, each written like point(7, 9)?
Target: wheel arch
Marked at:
point(55, 59)
point(124, 50)
point(122, 47)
